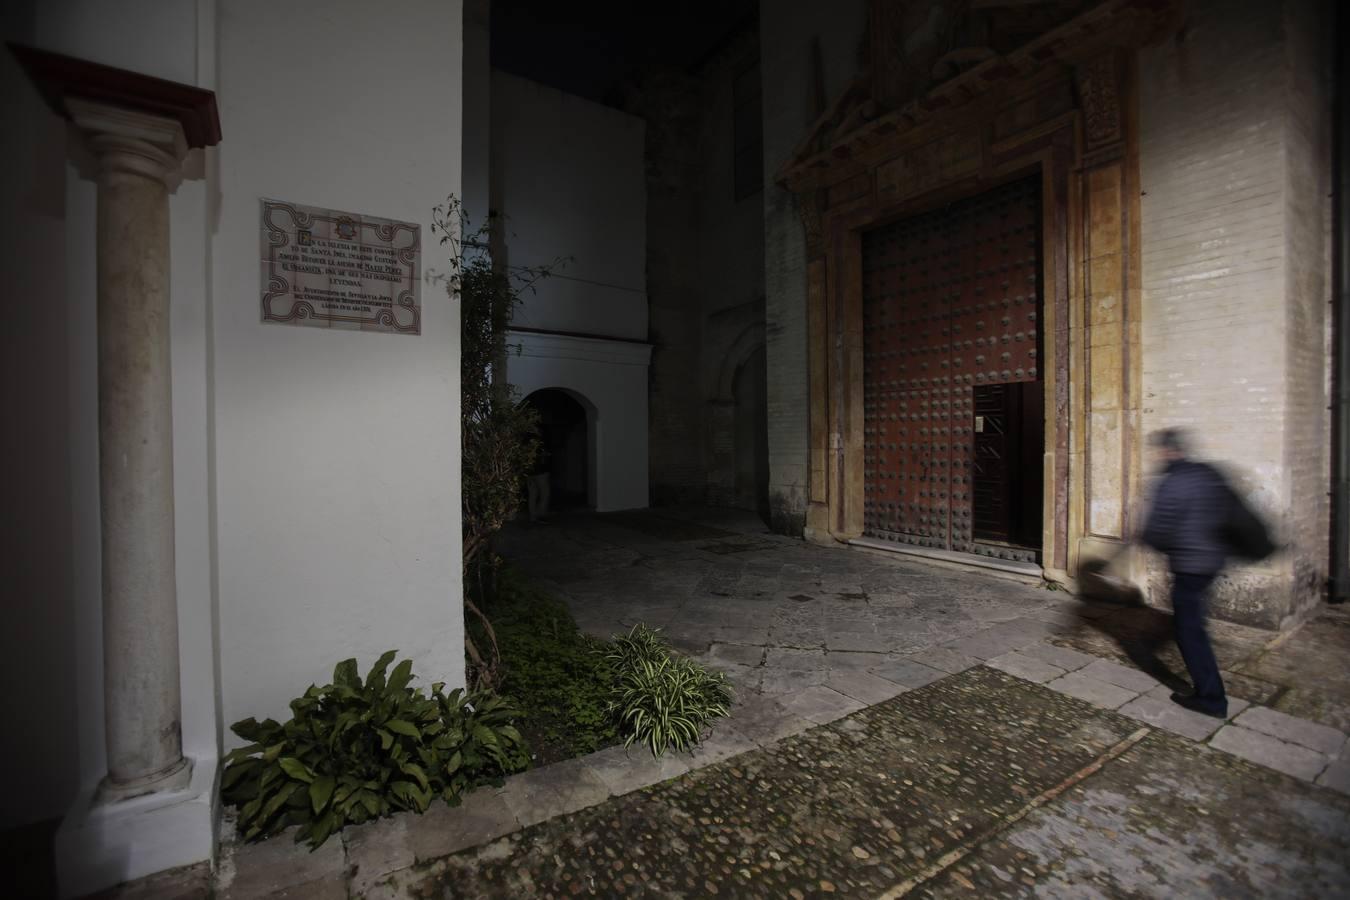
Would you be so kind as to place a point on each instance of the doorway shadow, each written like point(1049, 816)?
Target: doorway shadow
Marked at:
point(1140, 632)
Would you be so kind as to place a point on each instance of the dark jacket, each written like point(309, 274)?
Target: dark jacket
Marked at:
point(1187, 518)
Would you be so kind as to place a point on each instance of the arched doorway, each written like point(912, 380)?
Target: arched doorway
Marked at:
point(750, 391)
point(563, 429)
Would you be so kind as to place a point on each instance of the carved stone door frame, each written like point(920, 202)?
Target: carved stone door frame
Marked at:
point(1063, 108)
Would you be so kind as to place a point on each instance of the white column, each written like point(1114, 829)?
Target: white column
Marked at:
point(138, 158)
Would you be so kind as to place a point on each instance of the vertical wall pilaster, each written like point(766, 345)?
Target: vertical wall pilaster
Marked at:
point(1106, 321)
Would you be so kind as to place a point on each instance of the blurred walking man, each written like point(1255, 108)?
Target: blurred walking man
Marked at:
point(1186, 522)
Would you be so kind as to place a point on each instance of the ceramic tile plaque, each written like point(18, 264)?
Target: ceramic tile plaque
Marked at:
point(329, 269)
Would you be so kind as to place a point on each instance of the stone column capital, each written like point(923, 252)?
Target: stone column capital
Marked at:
point(130, 141)
point(135, 124)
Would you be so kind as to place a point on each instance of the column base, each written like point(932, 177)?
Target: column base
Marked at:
point(176, 777)
point(103, 842)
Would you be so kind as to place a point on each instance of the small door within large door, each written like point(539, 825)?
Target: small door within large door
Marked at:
point(952, 339)
point(1006, 471)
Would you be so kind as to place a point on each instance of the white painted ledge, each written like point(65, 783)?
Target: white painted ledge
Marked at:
point(102, 845)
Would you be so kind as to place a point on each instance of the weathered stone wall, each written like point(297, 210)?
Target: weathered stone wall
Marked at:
point(789, 30)
point(731, 254)
point(670, 104)
point(705, 276)
point(1234, 249)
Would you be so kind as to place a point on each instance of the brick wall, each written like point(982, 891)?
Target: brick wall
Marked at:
point(788, 29)
point(1307, 123)
point(1233, 256)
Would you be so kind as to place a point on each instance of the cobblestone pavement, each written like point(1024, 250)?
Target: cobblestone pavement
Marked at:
point(899, 729)
point(980, 783)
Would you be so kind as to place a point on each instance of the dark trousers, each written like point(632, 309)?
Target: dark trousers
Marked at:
point(1188, 623)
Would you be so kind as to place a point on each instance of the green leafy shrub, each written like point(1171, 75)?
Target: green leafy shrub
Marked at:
point(638, 645)
point(661, 698)
point(558, 675)
point(357, 750)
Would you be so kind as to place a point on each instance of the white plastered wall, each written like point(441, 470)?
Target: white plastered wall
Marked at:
point(568, 175)
point(336, 452)
point(316, 473)
point(609, 378)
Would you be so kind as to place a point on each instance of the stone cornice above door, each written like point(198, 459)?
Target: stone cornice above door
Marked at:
point(872, 118)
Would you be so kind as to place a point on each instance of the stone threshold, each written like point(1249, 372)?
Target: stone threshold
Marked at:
point(1022, 571)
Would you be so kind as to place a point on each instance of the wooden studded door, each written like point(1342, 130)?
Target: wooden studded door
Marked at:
point(952, 303)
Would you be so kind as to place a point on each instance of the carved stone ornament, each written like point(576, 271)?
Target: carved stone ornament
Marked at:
point(808, 208)
point(909, 55)
point(1099, 93)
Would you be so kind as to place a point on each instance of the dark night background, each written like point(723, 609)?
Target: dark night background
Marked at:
point(588, 49)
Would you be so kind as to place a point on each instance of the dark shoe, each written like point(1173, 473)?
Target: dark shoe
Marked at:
point(1195, 704)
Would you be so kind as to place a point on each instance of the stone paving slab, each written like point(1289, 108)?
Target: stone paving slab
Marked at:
point(738, 654)
point(261, 869)
point(483, 815)
point(788, 681)
point(908, 673)
point(1321, 738)
point(1161, 712)
point(855, 661)
point(821, 704)
point(993, 642)
point(864, 686)
point(377, 848)
point(1309, 702)
point(945, 660)
point(554, 790)
point(1253, 690)
point(1024, 666)
point(725, 741)
point(1098, 693)
point(1124, 676)
point(1265, 750)
point(1063, 657)
point(1336, 776)
point(1301, 663)
point(625, 769)
point(764, 720)
point(795, 659)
